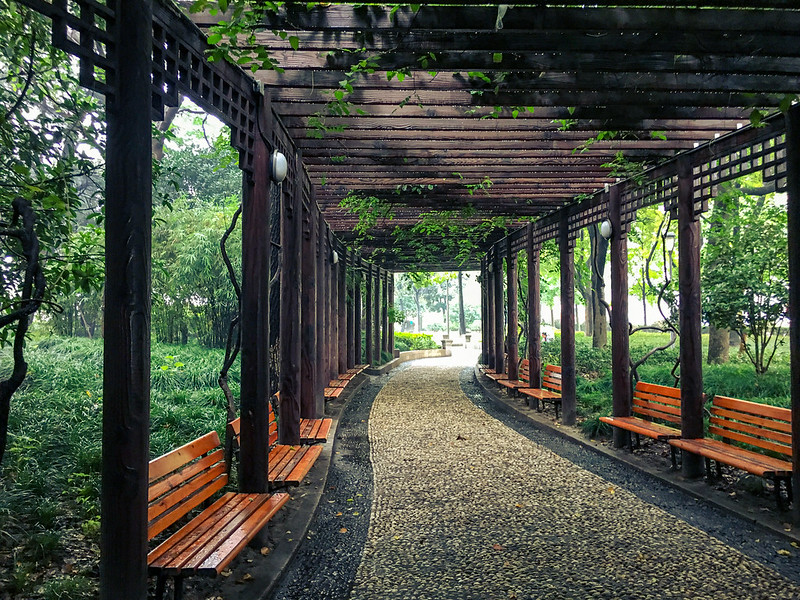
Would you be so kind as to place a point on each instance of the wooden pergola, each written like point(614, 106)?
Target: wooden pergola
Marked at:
point(434, 100)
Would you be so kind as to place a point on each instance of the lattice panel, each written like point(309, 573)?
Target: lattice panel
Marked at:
point(83, 28)
point(180, 67)
point(767, 156)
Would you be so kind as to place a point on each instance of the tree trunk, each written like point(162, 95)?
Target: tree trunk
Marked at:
point(599, 251)
point(718, 339)
point(462, 321)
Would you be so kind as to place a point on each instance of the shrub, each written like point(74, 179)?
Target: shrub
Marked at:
point(413, 341)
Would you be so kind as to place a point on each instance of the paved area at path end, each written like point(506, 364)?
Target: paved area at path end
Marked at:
point(465, 508)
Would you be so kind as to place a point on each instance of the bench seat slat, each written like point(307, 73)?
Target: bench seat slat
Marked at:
point(746, 460)
point(539, 393)
point(649, 429)
point(513, 384)
point(206, 524)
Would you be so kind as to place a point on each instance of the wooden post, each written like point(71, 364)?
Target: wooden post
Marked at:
point(691, 351)
point(793, 215)
point(291, 323)
point(126, 371)
point(385, 312)
point(370, 337)
point(357, 310)
point(351, 315)
point(376, 318)
point(534, 312)
point(334, 296)
point(308, 359)
point(342, 311)
point(568, 400)
point(620, 351)
point(513, 311)
point(321, 368)
point(484, 358)
point(255, 318)
point(391, 306)
point(490, 347)
point(499, 329)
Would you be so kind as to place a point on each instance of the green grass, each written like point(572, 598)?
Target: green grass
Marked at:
point(50, 476)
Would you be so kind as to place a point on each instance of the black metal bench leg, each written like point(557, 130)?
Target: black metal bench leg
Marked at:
point(709, 477)
point(673, 454)
point(719, 470)
point(178, 587)
point(556, 405)
point(789, 491)
point(161, 584)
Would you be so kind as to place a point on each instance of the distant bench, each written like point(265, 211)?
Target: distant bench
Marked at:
point(524, 380)
point(766, 430)
point(550, 391)
point(181, 481)
point(311, 430)
point(336, 387)
point(288, 465)
point(656, 414)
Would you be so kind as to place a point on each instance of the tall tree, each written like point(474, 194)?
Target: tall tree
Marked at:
point(747, 290)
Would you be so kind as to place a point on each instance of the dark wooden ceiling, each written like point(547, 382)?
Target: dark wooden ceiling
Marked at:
point(515, 99)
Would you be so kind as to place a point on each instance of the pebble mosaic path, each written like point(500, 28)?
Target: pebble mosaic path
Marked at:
point(465, 508)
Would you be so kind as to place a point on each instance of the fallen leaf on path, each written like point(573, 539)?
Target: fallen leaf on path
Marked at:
point(498, 547)
point(265, 550)
point(343, 530)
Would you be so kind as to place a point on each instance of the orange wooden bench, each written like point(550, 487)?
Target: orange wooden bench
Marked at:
point(488, 370)
point(181, 481)
point(550, 391)
point(311, 430)
point(524, 380)
point(288, 465)
point(656, 414)
point(757, 426)
point(495, 376)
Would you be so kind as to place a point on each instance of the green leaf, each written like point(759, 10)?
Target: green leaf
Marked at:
point(214, 38)
point(223, 5)
point(294, 42)
point(497, 57)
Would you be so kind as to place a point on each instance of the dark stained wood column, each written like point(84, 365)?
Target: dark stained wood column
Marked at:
point(484, 358)
point(793, 210)
point(691, 350)
point(568, 400)
point(499, 329)
point(491, 358)
point(326, 257)
point(370, 337)
point(255, 388)
point(620, 351)
point(534, 312)
point(351, 306)
point(391, 306)
point(321, 369)
point(513, 311)
point(357, 309)
point(342, 313)
point(385, 312)
point(308, 356)
point(334, 303)
point(291, 323)
point(126, 371)
point(376, 317)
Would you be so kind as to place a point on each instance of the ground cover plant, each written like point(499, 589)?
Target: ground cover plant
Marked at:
point(50, 479)
point(413, 341)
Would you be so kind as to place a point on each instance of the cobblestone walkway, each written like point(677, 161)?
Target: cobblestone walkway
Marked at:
point(465, 508)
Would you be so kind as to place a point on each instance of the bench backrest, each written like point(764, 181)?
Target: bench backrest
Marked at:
point(651, 401)
point(552, 378)
point(525, 370)
point(760, 425)
point(182, 479)
point(235, 429)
